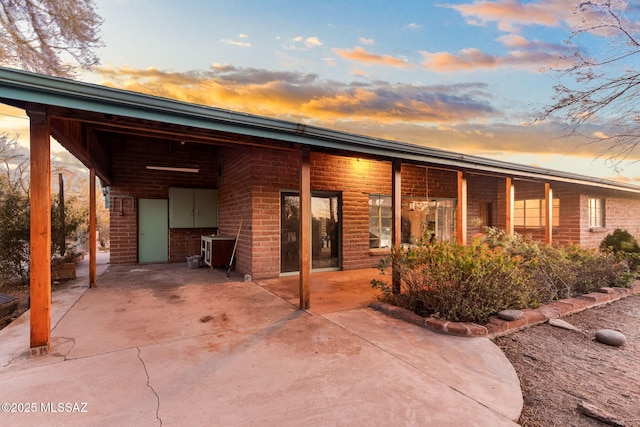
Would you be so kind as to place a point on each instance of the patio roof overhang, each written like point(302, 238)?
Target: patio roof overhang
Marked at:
point(76, 104)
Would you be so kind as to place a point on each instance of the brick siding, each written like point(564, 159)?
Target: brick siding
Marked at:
point(250, 181)
point(132, 181)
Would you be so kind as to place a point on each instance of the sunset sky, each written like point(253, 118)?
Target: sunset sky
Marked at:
point(466, 76)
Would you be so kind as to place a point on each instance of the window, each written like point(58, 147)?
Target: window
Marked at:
point(596, 213)
point(428, 219)
point(380, 221)
point(530, 213)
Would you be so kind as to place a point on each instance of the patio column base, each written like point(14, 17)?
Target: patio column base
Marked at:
point(39, 351)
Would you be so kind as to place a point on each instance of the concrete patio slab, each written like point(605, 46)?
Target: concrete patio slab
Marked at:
point(164, 345)
point(471, 366)
point(108, 389)
point(330, 291)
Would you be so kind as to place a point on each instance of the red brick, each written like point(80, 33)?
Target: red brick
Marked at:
point(595, 298)
point(457, 328)
point(439, 325)
point(534, 317)
point(476, 330)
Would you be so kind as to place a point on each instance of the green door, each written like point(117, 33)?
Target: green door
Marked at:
point(153, 230)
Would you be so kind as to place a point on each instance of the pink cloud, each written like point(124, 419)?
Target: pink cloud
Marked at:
point(521, 54)
point(511, 15)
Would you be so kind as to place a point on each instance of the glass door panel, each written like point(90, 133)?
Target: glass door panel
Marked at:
point(325, 231)
point(289, 232)
point(325, 236)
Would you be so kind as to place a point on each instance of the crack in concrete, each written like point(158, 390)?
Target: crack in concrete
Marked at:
point(150, 386)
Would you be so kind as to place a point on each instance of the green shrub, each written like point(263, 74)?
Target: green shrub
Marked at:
point(460, 283)
point(502, 271)
point(622, 244)
point(569, 271)
point(14, 236)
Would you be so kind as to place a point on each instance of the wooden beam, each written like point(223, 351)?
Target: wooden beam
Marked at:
point(509, 197)
point(92, 228)
point(40, 241)
point(548, 213)
point(461, 210)
point(396, 227)
point(305, 228)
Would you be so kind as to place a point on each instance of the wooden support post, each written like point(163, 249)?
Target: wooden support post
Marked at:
point(305, 229)
point(40, 222)
point(92, 228)
point(548, 214)
point(509, 198)
point(396, 228)
point(461, 211)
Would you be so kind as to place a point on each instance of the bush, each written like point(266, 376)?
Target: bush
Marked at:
point(623, 245)
point(474, 282)
point(569, 271)
point(14, 236)
point(460, 283)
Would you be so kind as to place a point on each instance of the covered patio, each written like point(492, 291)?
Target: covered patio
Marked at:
point(166, 344)
point(181, 172)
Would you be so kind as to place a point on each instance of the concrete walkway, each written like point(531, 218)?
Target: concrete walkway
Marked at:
point(166, 345)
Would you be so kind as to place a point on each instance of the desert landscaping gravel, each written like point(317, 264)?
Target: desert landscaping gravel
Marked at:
point(561, 370)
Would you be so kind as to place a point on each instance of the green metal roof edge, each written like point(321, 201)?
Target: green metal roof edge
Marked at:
point(25, 86)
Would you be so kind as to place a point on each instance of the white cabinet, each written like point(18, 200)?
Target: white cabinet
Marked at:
point(216, 251)
point(193, 208)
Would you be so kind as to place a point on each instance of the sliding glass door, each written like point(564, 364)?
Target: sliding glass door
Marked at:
point(325, 231)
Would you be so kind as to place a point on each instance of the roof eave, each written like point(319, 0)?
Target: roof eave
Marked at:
point(29, 87)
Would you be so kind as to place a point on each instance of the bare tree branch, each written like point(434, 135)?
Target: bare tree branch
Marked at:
point(602, 88)
point(49, 36)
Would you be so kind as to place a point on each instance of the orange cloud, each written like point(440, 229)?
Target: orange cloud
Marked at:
point(358, 54)
point(466, 59)
point(458, 117)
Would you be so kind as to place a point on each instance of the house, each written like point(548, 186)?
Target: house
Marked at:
point(299, 198)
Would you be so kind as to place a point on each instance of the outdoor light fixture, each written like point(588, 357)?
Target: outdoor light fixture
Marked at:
point(189, 169)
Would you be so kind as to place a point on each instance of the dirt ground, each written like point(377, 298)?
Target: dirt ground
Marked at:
point(22, 293)
point(559, 368)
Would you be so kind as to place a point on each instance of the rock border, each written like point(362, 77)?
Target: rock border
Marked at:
point(496, 327)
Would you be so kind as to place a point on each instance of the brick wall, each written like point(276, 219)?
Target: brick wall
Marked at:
point(132, 181)
point(235, 202)
point(482, 194)
point(273, 171)
point(414, 181)
point(443, 184)
point(355, 179)
point(568, 230)
point(250, 181)
point(623, 213)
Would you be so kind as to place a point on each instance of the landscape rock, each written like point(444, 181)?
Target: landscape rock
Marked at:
point(610, 337)
point(600, 415)
point(511, 315)
point(559, 323)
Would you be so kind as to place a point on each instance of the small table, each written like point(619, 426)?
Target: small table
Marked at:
point(216, 251)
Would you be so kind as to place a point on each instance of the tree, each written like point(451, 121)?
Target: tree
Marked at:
point(14, 213)
point(15, 210)
point(602, 87)
point(45, 35)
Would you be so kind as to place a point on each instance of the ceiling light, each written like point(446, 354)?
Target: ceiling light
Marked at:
point(189, 169)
